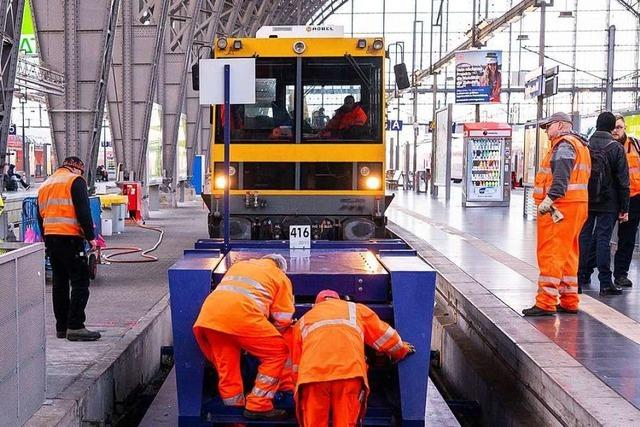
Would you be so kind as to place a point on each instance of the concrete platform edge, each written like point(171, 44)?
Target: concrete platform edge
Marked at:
point(560, 390)
point(96, 395)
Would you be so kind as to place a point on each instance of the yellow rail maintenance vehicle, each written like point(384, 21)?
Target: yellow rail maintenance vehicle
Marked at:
point(311, 150)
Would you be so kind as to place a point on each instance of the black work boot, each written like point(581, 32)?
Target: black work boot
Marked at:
point(61, 334)
point(561, 309)
point(82, 335)
point(537, 311)
point(623, 281)
point(273, 414)
point(610, 290)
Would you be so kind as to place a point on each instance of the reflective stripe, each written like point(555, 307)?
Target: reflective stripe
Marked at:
point(582, 167)
point(54, 202)
point(564, 290)
point(549, 290)
point(575, 187)
point(237, 400)
point(262, 393)
point(570, 279)
point(538, 190)
point(352, 312)
point(634, 170)
point(281, 315)
point(266, 379)
point(544, 170)
point(396, 347)
point(250, 282)
point(547, 279)
point(294, 368)
point(384, 338)
point(307, 330)
point(59, 220)
point(243, 291)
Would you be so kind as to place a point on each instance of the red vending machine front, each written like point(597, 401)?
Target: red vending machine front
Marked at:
point(133, 191)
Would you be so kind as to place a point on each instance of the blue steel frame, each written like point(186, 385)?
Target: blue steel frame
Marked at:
point(412, 285)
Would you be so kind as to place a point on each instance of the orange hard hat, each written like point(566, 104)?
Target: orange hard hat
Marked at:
point(327, 293)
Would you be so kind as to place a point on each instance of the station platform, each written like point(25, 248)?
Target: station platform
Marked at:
point(568, 369)
point(88, 382)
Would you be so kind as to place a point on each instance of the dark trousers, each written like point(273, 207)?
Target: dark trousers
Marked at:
point(69, 264)
point(596, 232)
point(626, 243)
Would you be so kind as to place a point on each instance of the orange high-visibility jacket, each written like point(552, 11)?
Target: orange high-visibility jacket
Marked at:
point(346, 119)
point(632, 149)
point(578, 186)
point(328, 342)
point(251, 292)
point(56, 205)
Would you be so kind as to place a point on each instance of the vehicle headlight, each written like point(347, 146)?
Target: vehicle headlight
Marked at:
point(373, 183)
point(378, 44)
point(221, 182)
point(222, 43)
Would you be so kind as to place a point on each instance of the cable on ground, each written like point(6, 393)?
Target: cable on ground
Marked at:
point(127, 250)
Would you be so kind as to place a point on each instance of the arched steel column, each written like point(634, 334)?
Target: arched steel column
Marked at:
point(11, 15)
point(73, 36)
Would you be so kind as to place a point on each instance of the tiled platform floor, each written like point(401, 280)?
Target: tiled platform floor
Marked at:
point(496, 247)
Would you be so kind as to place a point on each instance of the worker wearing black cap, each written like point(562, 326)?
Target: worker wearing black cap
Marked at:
point(561, 188)
point(608, 203)
point(65, 220)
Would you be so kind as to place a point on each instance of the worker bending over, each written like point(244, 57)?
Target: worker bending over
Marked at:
point(328, 355)
point(561, 183)
point(248, 310)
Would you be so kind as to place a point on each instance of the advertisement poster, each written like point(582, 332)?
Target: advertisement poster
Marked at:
point(181, 149)
point(529, 152)
point(154, 146)
point(478, 76)
point(441, 147)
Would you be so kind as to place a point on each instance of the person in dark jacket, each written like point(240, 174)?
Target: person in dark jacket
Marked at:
point(627, 231)
point(612, 206)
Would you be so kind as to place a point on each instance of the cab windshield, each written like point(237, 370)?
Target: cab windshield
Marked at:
point(340, 98)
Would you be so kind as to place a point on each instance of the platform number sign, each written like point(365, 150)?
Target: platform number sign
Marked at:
point(12, 129)
point(299, 236)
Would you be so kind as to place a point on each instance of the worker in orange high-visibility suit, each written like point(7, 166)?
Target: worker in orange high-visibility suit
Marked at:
point(329, 360)
point(248, 310)
point(561, 184)
point(350, 115)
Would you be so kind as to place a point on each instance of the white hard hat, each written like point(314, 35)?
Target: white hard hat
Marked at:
point(280, 261)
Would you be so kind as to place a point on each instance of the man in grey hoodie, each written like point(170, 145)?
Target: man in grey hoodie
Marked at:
point(606, 206)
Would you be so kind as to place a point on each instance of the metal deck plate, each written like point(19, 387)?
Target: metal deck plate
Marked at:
point(357, 273)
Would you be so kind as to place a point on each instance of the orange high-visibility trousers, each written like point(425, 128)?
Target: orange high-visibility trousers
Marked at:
point(558, 253)
point(287, 382)
point(343, 399)
point(223, 350)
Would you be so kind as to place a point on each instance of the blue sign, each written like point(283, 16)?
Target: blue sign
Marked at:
point(478, 76)
point(394, 125)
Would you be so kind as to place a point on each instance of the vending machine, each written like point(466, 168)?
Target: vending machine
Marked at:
point(487, 164)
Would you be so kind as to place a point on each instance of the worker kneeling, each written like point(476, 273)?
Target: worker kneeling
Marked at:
point(328, 355)
point(248, 310)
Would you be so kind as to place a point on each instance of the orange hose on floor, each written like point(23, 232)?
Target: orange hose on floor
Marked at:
point(126, 250)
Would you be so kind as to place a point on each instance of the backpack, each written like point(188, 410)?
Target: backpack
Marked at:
point(600, 179)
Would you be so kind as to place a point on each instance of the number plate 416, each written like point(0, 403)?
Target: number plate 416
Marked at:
point(299, 237)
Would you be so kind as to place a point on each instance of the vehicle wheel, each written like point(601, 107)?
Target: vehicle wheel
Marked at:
point(93, 266)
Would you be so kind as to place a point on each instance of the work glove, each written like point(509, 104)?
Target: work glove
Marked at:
point(623, 217)
point(545, 206)
point(410, 350)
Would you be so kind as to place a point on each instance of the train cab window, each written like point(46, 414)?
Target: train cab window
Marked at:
point(272, 117)
point(326, 176)
point(269, 176)
point(342, 99)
